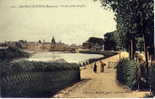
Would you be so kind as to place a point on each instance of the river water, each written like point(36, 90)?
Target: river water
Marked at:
point(68, 57)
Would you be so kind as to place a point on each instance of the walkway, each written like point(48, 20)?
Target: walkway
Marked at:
point(98, 85)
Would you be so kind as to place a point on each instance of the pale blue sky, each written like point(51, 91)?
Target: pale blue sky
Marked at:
point(70, 25)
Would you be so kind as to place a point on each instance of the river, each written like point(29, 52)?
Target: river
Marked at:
point(68, 57)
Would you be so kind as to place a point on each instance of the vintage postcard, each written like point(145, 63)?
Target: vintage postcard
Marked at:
point(77, 49)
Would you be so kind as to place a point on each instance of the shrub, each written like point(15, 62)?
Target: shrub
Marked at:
point(152, 78)
point(36, 79)
point(127, 72)
point(11, 53)
point(30, 66)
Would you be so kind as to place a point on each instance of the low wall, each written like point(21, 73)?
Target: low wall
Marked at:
point(110, 62)
point(37, 84)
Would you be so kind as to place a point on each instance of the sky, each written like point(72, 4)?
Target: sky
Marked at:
point(67, 24)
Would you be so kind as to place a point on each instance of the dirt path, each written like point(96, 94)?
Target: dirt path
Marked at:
point(98, 85)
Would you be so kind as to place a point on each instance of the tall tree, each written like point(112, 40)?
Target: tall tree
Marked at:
point(95, 40)
point(134, 19)
point(112, 41)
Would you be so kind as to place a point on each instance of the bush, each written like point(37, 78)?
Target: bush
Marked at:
point(30, 66)
point(11, 53)
point(127, 72)
point(152, 78)
point(36, 79)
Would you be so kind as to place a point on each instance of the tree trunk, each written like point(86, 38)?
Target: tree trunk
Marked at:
point(153, 52)
point(153, 55)
point(146, 55)
point(132, 49)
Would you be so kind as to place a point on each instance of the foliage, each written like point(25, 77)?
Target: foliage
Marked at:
point(27, 66)
point(11, 53)
point(36, 79)
point(140, 44)
point(134, 19)
point(95, 40)
point(152, 78)
point(126, 72)
point(112, 41)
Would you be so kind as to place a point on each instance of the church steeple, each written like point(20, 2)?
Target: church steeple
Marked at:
point(53, 40)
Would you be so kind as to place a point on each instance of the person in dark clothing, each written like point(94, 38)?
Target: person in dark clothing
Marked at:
point(95, 68)
point(102, 66)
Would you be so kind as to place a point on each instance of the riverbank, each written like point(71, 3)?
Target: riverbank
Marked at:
point(10, 53)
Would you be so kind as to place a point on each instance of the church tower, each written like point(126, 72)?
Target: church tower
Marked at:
point(53, 40)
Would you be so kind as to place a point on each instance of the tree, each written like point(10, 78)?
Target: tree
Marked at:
point(95, 40)
point(140, 44)
point(134, 19)
point(112, 41)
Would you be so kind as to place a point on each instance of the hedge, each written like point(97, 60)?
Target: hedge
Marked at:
point(127, 72)
point(152, 78)
point(36, 79)
point(31, 66)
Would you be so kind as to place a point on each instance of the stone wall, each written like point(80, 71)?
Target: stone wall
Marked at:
point(109, 62)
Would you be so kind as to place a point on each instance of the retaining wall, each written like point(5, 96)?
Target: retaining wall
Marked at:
point(110, 62)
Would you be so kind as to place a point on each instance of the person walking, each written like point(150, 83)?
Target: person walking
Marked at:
point(102, 66)
point(95, 68)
